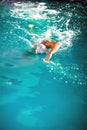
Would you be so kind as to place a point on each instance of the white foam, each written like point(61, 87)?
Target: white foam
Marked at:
point(39, 11)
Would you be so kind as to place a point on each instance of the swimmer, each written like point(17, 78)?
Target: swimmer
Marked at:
point(45, 45)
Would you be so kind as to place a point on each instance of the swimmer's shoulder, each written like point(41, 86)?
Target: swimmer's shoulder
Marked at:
point(50, 44)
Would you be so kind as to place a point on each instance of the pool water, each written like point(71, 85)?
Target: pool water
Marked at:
point(43, 96)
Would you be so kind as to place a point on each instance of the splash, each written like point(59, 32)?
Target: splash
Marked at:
point(51, 24)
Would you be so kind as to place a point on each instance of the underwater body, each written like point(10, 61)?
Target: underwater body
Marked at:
point(35, 95)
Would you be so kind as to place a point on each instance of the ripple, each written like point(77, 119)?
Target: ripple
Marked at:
point(30, 116)
point(9, 65)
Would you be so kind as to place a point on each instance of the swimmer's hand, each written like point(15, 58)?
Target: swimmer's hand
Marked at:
point(46, 59)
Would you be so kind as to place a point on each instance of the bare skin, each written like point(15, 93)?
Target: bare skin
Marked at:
point(53, 46)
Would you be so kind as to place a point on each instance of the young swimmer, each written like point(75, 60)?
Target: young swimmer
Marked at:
point(53, 46)
point(44, 46)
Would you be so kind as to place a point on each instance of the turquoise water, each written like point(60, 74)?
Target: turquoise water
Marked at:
point(43, 96)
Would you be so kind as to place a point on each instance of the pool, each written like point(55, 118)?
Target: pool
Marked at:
point(43, 96)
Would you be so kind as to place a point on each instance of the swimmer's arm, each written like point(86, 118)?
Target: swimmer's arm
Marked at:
point(51, 52)
point(47, 58)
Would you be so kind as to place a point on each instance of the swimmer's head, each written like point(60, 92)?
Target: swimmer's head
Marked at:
point(41, 49)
